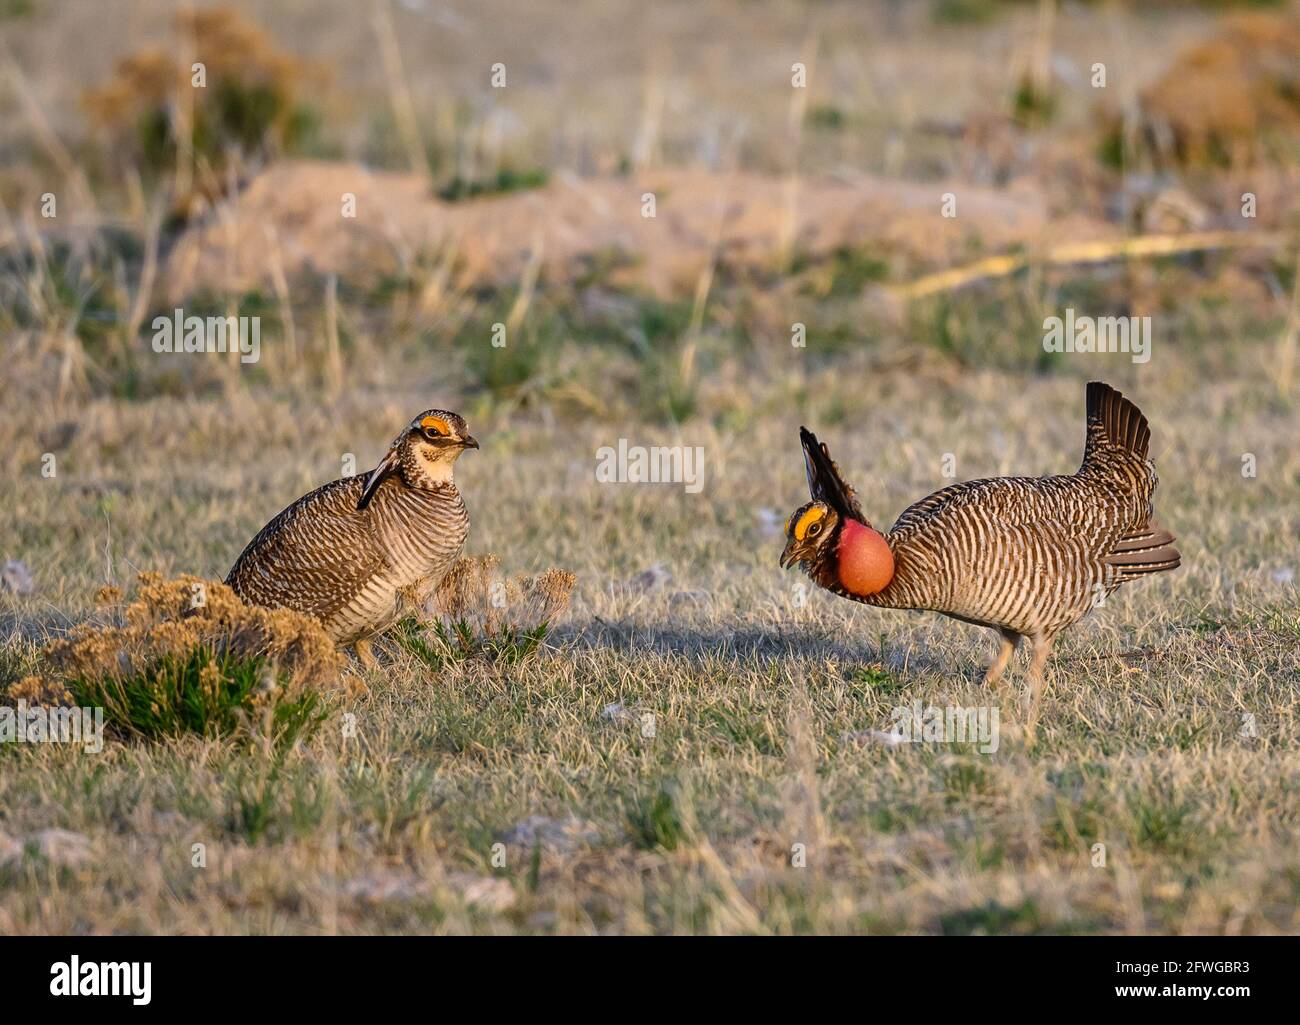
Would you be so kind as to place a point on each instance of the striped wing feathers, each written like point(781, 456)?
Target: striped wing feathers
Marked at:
point(316, 556)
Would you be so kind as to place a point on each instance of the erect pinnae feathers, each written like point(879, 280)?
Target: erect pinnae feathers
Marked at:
point(824, 481)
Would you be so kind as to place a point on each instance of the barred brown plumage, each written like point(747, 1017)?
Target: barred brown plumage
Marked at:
point(355, 552)
point(1026, 556)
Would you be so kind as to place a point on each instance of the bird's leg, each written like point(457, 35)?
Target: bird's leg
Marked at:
point(999, 665)
point(362, 648)
point(1042, 648)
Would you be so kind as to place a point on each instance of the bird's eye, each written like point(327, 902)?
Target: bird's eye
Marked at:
point(814, 530)
point(431, 433)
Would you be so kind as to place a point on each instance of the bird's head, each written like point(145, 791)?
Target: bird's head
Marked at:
point(424, 453)
point(829, 537)
point(437, 438)
point(811, 533)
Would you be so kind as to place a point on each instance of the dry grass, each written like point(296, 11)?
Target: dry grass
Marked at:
point(167, 618)
point(697, 724)
point(754, 699)
point(474, 591)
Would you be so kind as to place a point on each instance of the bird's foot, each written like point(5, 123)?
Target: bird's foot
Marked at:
point(364, 654)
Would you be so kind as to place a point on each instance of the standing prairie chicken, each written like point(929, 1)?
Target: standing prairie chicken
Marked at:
point(1026, 556)
point(355, 552)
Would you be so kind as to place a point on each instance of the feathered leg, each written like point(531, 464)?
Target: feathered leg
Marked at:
point(1037, 667)
point(1010, 639)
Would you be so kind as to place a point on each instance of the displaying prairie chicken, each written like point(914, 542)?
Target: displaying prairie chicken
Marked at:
point(1026, 556)
point(354, 553)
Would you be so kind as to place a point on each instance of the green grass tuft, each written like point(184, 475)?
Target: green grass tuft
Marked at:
point(655, 822)
point(440, 644)
point(206, 694)
point(504, 181)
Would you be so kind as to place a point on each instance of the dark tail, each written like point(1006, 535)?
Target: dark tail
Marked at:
point(1114, 423)
point(1118, 433)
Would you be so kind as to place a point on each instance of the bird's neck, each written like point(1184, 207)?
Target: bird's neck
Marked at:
point(422, 472)
point(864, 560)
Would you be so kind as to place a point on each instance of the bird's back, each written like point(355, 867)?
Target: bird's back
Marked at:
point(1035, 553)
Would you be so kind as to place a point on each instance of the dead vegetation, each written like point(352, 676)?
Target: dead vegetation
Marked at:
point(185, 654)
point(207, 109)
point(1231, 101)
point(474, 591)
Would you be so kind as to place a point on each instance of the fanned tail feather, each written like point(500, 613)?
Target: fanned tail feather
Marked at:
point(1148, 551)
point(1114, 423)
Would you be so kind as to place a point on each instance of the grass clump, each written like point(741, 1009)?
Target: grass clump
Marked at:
point(1165, 827)
point(187, 656)
point(966, 12)
point(1034, 105)
point(655, 822)
point(519, 370)
point(826, 117)
point(440, 644)
point(992, 918)
point(477, 613)
point(844, 273)
point(1230, 101)
point(204, 693)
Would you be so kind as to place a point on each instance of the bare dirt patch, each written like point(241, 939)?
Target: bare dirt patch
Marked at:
point(289, 221)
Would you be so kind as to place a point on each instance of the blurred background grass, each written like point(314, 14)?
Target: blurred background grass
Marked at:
point(777, 205)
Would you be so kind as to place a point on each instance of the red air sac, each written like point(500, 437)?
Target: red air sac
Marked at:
point(865, 562)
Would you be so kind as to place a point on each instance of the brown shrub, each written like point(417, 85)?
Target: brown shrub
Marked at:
point(475, 592)
point(171, 619)
point(248, 109)
point(1226, 101)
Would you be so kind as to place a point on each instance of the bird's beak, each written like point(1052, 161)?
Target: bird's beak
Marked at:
point(789, 557)
point(469, 441)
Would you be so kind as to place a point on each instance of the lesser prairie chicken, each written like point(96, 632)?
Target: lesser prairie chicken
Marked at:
point(355, 552)
point(1026, 556)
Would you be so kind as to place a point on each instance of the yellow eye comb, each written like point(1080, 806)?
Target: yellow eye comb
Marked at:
point(807, 520)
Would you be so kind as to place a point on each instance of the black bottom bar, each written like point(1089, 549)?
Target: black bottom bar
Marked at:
point(303, 974)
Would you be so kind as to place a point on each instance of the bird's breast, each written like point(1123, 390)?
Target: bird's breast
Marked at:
point(421, 533)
